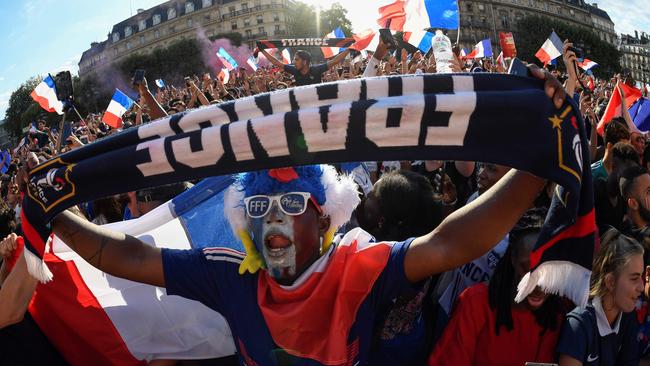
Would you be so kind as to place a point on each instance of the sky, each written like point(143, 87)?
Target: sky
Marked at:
point(41, 36)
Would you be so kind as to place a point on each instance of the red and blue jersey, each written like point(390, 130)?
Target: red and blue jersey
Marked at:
point(325, 317)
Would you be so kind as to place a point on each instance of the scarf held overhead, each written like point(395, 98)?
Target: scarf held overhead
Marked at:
point(502, 119)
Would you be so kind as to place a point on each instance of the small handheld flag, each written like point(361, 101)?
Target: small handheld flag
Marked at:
point(252, 63)
point(482, 49)
point(332, 51)
point(45, 95)
point(286, 56)
point(551, 49)
point(420, 39)
point(587, 64)
point(119, 104)
point(226, 59)
point(224, 76)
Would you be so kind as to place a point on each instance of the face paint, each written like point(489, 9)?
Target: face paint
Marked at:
point(274, 238)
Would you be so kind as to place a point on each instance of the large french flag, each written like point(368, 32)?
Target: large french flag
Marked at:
point(119, 104)
point(420, 39)
point(640, 113)
point(332, 51)
point(587, 64)
point(45, 95)
point(615, 106)
point(93, 318)
point(551, 49)
point(416, 15)
point(482, 49)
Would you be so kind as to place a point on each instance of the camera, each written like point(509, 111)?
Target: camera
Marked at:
point(63, 85)
point(576, 50)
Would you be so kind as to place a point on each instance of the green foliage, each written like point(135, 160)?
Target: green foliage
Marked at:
point(528, 43)
point(336, 16)
point(307, 25)
point(22, 109)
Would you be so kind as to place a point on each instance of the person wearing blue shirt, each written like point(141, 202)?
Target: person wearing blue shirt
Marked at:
point(605, 331)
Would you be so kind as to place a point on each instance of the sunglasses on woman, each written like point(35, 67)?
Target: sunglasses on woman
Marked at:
point(290, 203)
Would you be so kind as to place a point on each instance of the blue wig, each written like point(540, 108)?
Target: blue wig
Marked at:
point(261, 182)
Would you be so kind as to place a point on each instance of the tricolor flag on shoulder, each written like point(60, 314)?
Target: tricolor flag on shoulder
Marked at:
point(226, 59)
point(160, 83)
point(551, 49)
point(90, 316)
point(420, 39)
point(416, 15)
point(587, 64)
point(333, 51)
point(252, 63)
point(482, 49)
point(119, 104)
point(286, 56)
point(45, 95)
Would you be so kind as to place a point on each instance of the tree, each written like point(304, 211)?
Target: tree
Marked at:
point(234, 38)
point(336, 16)
point(528, 43)
point(304, 20)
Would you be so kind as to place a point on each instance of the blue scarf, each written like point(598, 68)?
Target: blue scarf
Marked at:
point(501, 119)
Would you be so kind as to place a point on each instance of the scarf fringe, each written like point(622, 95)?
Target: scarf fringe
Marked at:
point(37, 267)
point(557, 277)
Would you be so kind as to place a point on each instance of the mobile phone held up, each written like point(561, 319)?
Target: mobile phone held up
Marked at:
point(138, 76)
point(388, 39)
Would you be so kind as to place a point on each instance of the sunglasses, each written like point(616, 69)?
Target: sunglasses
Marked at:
point(290, 203)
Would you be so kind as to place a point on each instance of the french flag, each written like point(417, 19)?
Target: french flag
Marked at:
point(587, 64)
point(93, 318)
point(332, 51)
point(368, 38)
point(252, 63)
point(420, 39)
point(501, 60)
point(119, 104)
point(45, 96)
point(286, 56)
point(226, 59)
point(551, 49)
point(415, 15)
point(482, 49)
point(224, 76)
point(615, 104)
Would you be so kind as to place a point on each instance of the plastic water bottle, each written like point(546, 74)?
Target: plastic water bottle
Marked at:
point(442, 52)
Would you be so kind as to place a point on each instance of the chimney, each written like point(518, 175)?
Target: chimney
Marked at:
point(93, 44)
point(636, 34)
point(594, 5)
point(140, 11)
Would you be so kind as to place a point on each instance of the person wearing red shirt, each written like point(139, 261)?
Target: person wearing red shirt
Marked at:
point(488, 328)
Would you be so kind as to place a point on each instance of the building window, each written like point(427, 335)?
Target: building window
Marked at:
point(481, 7)
point(142, 25)
point(276, 17)
point(207, 3)
point(141, 39)
point(127, 31)
point(233, 25)
point(189, 23)
point(260, 19)
point(244, 6)
point(115, 51)
point(116, 37)
point(504, 21)
point(469, 7)
point(249, 33)
point(189, 7)
point(156, 34)
point(232, 11)
point(260, 30)
point(156, 19)
point(277, 28)
point(128, 45)
point(171, 13)
point(247, 22)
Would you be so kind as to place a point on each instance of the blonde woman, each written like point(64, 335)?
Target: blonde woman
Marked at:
point(605, 331)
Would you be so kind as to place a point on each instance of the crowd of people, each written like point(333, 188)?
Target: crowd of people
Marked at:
point(461, 235)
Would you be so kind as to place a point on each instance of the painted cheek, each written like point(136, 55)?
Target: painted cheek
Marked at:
point(257, 232)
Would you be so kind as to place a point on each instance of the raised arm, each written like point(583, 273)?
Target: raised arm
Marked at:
point(336, 60)
point(17, 288)
point(155, 110)
point(112, 252)
point(272, 59)
point(454, 242)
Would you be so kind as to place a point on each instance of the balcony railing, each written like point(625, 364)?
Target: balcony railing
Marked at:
point(251, 10)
